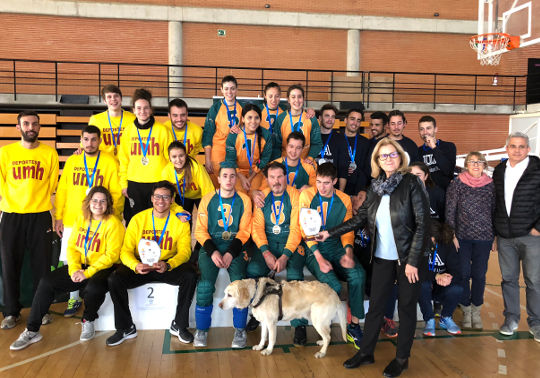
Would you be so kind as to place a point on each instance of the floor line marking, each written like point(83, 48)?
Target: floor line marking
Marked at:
point(502, 369)
point(501, 353)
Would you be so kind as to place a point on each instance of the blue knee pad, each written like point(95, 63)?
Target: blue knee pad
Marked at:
point(240, 317)
point(203, 317)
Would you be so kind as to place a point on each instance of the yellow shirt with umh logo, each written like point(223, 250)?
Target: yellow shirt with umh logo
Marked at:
point(175, 244)
point(101, 121)
point(28, 178)
point(193, 138)
point(131, 153)
point(200, 185)
point(73, 185)
point(103, 247)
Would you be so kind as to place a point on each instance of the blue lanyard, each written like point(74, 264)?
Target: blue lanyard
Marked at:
point(433, 262)
point(164, 228)
point(352, 154)
point(185, 132)
point(299, 122)
point(181, 193)
point(295, 174)
point(323, 151)
point(225, 222)
point(426, 148)
point(231, 115)
point(145, 148)
point(88, 178)
point(113, 137)
point(250, 154)
point(86, 244)
point(277, 214)
point(268, 116)
point(323, 220)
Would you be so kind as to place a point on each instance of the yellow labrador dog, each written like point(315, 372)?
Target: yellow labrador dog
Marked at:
point(271, 301)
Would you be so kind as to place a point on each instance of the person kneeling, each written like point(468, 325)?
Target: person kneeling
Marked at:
point(169, 242)
point(93, 248)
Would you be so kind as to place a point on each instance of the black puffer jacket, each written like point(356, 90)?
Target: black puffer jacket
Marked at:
point(409, 210)
point(525, 204)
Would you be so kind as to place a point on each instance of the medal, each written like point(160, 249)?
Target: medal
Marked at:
point(115, 151)
point(323, 218)
point(352, 165)
point(277, 214)
point(276, 229)
point(88, 191)
point(144, 148)
point(352, 153)
point(131, 203)
point(226, 235)
point(145, 161)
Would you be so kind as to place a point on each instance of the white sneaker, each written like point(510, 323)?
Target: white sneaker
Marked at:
point(200, 339)
point(10, 321)
point(26, 338)
point(87, 332)
point(239, 339)
point(47, 319)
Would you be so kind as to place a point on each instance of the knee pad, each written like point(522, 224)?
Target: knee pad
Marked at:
point(203, 317)
point(205, 293)
point(240, 317)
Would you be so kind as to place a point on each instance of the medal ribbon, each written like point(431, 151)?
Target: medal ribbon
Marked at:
point(113, 137)
point(225, 222)
point(295, 174)
point(181, 193)
point(323, 151)
point(299, 121)
point(185, 133)
point(230, 115)
point(328, 212)
point(352, 154)
point(250, 154)
point(88, 178)
point(268, 118)
point(277, 214)
point(145, 148)
point(432, 262)
point(86, 244)
point(164, 228)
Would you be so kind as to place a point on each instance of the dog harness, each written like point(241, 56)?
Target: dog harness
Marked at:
point(272, 291)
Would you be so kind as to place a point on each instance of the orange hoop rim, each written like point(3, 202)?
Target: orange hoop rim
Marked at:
point(484, 38)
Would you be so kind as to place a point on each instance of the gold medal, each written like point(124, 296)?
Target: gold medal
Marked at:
point(226, 235)
point(115, 150)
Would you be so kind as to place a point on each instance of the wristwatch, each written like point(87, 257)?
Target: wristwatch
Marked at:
point(168, 265)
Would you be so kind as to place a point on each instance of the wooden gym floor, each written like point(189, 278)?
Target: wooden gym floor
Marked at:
point(157, 354)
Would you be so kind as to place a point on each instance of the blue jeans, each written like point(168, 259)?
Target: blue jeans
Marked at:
point(448, 295)
point(512, 251)
point(474, 256)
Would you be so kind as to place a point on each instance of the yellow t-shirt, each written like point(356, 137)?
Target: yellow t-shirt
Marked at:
point(74, 184)
point(201, 183)
point(193, 139)
point(103, 247)
point(28, 178)
point(175, 245)
point(101, 121)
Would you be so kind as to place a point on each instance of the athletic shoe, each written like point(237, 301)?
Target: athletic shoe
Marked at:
point(354, 334)
point(120, 336)
point(73, 306)
point(26, 338)
point(437, 308)
point(389, 328)
point(183, 334)
point(252, 324)
point(10, 321)
point(47, 319)
point(201, 338)
point(508, 327)
point(239, 339)
point(447, 323)
point(429, 329)
point(300, 335)
point(87, 332)
point(535, 332)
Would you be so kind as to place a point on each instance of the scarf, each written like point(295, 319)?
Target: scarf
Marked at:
point(474, 182)
point(147, 125)
point(383, 186)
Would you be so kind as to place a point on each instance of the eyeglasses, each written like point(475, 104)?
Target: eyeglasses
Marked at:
point(97, 201)
point(165, 197)
point(392, 155)
point(475, 162)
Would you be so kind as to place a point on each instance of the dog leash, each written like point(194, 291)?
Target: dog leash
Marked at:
point(278, 292)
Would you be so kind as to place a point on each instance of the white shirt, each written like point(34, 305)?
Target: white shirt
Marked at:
point(511, 178)
point(386, 245)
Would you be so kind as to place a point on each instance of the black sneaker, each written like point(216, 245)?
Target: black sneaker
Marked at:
point(183, 335)
point(120, 336)
point(300, 336)
point(252, 324)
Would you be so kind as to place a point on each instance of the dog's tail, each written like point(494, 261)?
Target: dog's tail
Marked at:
point(342, 316)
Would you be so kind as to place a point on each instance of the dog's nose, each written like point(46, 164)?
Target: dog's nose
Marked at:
point(220, 305)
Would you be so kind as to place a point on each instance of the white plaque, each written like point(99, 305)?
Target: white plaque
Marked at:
point(149, 251)
point(310, 221)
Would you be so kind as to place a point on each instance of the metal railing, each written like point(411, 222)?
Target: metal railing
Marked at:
point(43, 77)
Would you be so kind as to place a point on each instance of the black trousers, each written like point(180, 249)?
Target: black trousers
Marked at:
point(94, 290)
point(140, 193)
point(385, 273)
point(20, 232)
point(124, 278)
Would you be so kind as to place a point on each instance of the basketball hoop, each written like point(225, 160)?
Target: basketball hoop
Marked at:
point(491, 46)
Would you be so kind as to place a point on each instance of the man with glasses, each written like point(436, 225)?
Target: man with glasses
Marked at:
point(517, 226)
point(438, 155)
point(171, 238)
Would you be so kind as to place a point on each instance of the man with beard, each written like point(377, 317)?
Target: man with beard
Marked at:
point(28, 178)
point(187, 132)
point(93, 167)
point(331, 146)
